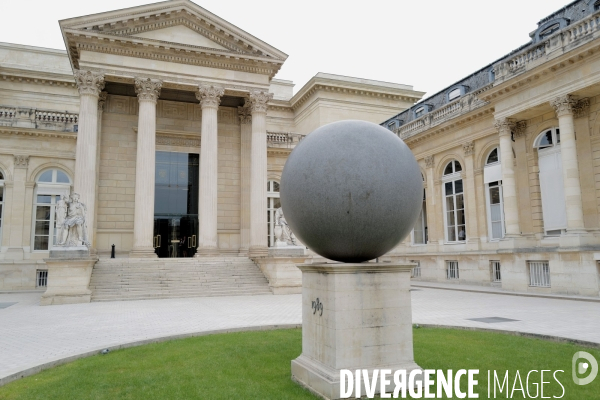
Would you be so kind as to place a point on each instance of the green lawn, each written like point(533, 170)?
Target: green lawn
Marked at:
point(256, 365)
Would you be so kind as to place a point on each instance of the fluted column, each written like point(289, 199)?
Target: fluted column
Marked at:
point(90, 84)
point(258, 174)
point(210, 98)
point(148, 91)
point(509, 186)
point(564, 107)
point(246, 143)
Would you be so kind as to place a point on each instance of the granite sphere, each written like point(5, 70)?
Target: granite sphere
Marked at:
point(351, 191)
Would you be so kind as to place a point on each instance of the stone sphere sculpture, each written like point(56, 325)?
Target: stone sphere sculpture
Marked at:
point(351, 191)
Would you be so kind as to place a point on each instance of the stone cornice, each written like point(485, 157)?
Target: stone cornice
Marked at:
point(29, 132)
point(18, 77)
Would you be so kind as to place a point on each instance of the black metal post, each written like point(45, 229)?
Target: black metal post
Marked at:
point(112, 252)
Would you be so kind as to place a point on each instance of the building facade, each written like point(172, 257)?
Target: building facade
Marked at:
point(169, 124)
point(510, 158)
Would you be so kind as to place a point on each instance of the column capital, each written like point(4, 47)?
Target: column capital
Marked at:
point(88, 82)
point(209, 95)
point(520, 129)
point(148, 89)
point(429, 161)
point(582, 108)
point(259, 100)
point(504, 126)
point(469, 148)
point(21, 161)
point(102, 100)
point(564, 105)
point(245, 113)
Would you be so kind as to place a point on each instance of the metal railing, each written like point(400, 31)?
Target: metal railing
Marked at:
point(41, 278)
point(496, 274)
point(539, 273)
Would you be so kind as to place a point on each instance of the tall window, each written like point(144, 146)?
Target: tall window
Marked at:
point(1, 201)
point(554, 207)
point(50, 185)
point(493, 185)
point(454, 204)
point(272, 205)
point(420, 230)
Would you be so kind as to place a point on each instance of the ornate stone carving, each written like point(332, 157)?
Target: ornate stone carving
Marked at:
point(504, 126)
point(429, 161)
point(283, 233)
point(582, 108)
point(21, 161)
point(102, 100)
point(520, 129)
point(469, 148)
point(71, 222)
point(209, 95)
point(89, 82)
point(147, 89)
point(245, 113)
point(563, 105)
point(259, 100)
point(177, 141)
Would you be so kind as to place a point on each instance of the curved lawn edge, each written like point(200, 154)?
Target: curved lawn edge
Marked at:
point(60, 361)
point(64, 360)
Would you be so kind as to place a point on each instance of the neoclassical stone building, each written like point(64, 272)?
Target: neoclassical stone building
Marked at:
point(168, 122)
point(510, 158)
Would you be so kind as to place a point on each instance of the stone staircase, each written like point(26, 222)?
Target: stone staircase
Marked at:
point(166, 278)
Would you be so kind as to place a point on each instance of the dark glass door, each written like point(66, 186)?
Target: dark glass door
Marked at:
point(176, 204)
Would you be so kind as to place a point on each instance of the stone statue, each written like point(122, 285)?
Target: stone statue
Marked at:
point(284, 235)
point(73, 229)
point(61, 215)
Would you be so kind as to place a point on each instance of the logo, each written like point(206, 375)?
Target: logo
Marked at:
point(582, 367)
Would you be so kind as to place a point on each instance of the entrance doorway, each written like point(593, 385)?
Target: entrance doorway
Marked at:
point(176, 204)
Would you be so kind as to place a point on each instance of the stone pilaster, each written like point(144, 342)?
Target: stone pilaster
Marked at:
point(565, 107)
point(471, 201)
point(90, 85)
point(430, 193)
point(148, 91)
point(210, 98)
point(509, 186)
point(258, 174)
point(245, 116)
point(14, 214)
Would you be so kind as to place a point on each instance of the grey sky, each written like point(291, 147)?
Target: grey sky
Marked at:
point(427, 44)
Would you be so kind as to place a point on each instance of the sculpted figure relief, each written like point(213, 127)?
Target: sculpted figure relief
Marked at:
point(70, 222)
point(286, 236)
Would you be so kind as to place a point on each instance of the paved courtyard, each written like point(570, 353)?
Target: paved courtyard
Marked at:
point(31, 335)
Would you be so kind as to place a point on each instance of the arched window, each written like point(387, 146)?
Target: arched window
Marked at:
point(454, 204)
point(419, 233)
point(492, 175)
point(273, 204)
point(1, 201)
point(554, 207)
point(50, 185)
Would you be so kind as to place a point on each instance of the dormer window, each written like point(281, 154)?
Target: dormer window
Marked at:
point(419, 112)
point(597, 5)
point(454, 94)
point(549, 31)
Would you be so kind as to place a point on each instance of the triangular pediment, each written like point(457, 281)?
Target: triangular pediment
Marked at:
point(174, 26)
point(182, 35)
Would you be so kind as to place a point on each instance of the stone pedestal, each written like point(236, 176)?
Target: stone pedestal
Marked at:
point(69, 273)
point(281, 269)
point(365, 323)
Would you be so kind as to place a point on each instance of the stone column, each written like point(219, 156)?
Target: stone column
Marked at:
point(246, 143)
point(90, 84)
point(509, 186)
point(210, 98)
point(564, 107)
point(470, 194)
point(101, 102)
point(258, 174)
point(148, 91)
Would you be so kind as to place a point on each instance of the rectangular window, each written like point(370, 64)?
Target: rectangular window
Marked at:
point(44, 221)
point(496, 275)
point(495, 210)
point(416, 271)
point(455, 211)
point(41, 278)
point(451, 269)
point(539, 273)
point(420, 229)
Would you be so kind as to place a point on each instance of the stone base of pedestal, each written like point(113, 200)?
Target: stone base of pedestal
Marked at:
point(68, 281)
point(282, 273)
point(354, 316)
point(256, 252)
